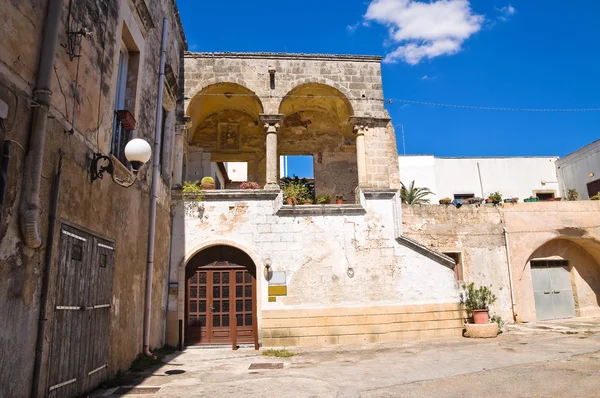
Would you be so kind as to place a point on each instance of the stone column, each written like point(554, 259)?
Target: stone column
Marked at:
point(271, 124)
point(361, 158)
point(370, 149)
point(181, 129)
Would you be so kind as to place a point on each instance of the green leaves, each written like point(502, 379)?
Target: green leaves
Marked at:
point(478, 298)
point(412, 195)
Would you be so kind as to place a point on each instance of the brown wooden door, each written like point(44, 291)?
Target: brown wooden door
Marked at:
point(220, 305)
point(79, 347)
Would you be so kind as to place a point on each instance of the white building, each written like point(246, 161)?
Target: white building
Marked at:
point(580, 170)
point(459, 178)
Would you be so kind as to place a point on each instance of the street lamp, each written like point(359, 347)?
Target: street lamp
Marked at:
point(137, 152)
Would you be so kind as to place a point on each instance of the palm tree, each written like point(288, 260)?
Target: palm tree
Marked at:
point(414, 195)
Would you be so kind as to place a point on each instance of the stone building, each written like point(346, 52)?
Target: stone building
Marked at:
point(73, 253)
point(247, 269)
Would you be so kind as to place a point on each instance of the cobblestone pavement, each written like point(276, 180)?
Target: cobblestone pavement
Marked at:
point(557, 359)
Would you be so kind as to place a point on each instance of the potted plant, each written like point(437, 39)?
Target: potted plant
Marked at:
point(324, 199)
point(249, 185)
point(572, 195)
point(558, 199)
point(595, 197)
point(445, 201)
point(531, 199)
point(339, 199)
point(477, 302)
point(495, 198)
point(307, 200)
point(207, 183)
point(192, 195)
point(294, 192)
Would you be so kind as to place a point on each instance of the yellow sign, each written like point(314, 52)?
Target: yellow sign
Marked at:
point(277, 290)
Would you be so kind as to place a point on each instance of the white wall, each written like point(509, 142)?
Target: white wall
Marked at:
point(421, 170)
point(574, 169)
point(517, 177)
point(237, 171)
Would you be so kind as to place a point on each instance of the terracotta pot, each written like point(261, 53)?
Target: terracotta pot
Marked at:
point(206, 187)
point(307, 203)
point(339, 201)
point(290, 201)
point(481, 317)
point(126, 119)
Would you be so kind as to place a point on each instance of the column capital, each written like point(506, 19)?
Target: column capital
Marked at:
point(271, 119)
point(365, 122)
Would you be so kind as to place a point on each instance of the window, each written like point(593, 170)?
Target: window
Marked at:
point(549, 263)
point(163, 127)
point(542, 196)
point(120, 135)
point(126, 92)
point(593, 188)
point(458, 269)
point(464, 196)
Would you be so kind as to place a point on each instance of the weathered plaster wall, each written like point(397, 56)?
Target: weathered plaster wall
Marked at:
point(104, 208)
point(315, 252)
point(336, 174)
point(477, 232)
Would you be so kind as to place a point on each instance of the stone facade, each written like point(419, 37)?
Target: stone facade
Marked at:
point(545, 230)
point(103, 208)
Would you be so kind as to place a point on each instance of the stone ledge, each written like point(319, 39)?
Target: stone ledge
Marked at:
point(425, 251)
point(271, 55)
point(321, 210)
point(482, 331)
point(372, 193)
point(224, 195)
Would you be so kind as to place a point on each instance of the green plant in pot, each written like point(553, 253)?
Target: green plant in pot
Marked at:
point(495, 198)
point(572, 195)
point(324, 199)
point(477, 302)
point(207, 183)
point(294, 193)
point(595, 197)
point(192, 195)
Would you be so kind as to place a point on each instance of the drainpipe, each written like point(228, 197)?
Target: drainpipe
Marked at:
point(4, 174)
point(41, 332)
point(153, 199)
point(510, 277)
point(30, 200)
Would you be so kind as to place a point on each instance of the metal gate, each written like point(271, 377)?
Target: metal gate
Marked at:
point(552, 289)
point(80, 334)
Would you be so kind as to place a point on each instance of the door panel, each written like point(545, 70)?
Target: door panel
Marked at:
point(542, 292)
point(562, 293)
point(552, 290)
point(220, 302)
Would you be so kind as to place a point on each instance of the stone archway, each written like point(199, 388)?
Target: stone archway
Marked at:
point(220, 290)
point(565, 278)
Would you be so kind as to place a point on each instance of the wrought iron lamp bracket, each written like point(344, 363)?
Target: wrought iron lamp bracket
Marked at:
point(101, 164)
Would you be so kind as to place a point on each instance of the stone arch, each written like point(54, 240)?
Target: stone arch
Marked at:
point(320, 80)
point(580, 256)
point(211, 82)
point(211, 243)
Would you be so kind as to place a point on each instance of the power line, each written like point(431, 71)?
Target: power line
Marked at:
point(491, 108)
point(391, 101)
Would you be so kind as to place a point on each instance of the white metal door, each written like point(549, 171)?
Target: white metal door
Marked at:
point(552, 289)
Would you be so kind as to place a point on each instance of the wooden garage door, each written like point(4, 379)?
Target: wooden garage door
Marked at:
point(80, 334)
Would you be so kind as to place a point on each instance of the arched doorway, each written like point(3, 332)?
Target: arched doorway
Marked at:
point(565, 274)
point(220, 298)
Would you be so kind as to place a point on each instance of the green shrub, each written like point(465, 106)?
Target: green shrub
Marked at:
point(208, 180)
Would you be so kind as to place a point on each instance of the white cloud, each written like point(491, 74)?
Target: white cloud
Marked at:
point(425, 30)
point(505, 12)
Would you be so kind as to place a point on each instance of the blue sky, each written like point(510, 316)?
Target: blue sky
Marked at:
point(517, 54)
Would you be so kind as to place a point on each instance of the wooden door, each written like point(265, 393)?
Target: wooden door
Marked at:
point(81, 328)
point(220, 305)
